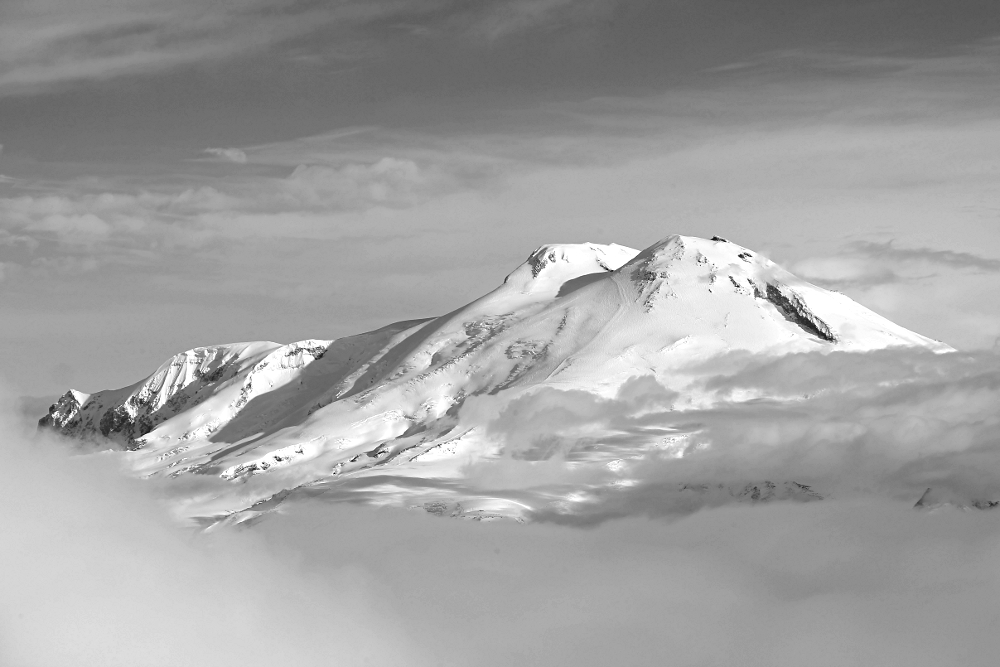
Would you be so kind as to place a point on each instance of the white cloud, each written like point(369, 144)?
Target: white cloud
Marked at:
point(86, 224)
point(387, 182)
point(504, 18)
point(850, 425)
point(300, 204)
point(859, 581)
point(839, 270)
point(14, 240)
point(50, 42)
point(66, 264)
point(86, 566)
point(228, 154)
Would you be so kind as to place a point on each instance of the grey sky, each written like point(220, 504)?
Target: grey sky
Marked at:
point(96, 79)
point(178, 174)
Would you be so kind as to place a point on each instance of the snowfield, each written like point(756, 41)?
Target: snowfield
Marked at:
point(407, 415)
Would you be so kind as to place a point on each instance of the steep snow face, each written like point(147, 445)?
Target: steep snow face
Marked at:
point(382, 417)
point(747, 301)
point(558, 269)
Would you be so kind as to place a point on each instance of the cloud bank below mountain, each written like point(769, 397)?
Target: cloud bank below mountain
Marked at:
point(878, 424)
point(99, 576)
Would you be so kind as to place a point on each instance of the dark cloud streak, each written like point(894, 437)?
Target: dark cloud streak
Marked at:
point(960, 260)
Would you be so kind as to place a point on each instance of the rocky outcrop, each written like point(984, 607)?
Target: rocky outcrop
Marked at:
point(797, 312)
point(62, 412)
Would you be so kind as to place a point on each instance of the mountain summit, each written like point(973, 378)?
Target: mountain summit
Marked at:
point(407, 414)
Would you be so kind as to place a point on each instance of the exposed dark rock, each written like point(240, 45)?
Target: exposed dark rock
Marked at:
point(119, 420)
point(795, 311)
point(932, 499)
point(61, 412)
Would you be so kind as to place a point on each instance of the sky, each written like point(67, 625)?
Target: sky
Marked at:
point(178, 173)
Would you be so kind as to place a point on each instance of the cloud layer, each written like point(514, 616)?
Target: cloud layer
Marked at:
point(98, 576)
point(886, 424)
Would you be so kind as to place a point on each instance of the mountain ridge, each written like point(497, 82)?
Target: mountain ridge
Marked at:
point(388, 408)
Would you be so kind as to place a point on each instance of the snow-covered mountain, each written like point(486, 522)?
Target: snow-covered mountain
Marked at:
point(405, 414)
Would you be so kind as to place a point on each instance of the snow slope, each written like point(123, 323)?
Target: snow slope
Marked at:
point(402, 415)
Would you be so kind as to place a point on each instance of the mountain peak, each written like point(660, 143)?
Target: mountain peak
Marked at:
point(551, 266)
point(700, 255)
point(357, 415)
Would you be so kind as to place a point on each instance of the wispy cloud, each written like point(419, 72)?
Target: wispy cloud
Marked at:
point(84, 226)
point(960, 260)
point(961, 60)
point(228, 154)
point(869, 264)
point(503, 18)
point(48, 43)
